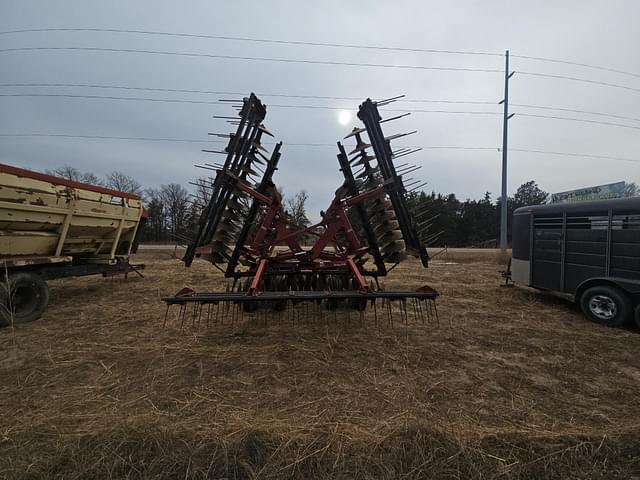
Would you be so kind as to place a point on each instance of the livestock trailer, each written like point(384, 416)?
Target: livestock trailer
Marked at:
point(587, 252)
point(50, 228)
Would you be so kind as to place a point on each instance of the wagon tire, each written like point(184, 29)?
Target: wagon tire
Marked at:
point(23, 298)
point(606, 305)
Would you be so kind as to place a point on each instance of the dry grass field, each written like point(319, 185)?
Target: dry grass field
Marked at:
point(513, 384)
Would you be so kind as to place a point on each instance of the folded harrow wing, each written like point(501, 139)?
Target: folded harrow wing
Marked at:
point(245, 226)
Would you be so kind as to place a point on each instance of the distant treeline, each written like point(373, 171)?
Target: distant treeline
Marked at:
point(174, 211)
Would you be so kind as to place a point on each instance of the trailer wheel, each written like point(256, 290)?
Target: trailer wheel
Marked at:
point(606, 305)
point(24, 299)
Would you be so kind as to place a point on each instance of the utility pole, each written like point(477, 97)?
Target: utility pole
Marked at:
point(505, 128)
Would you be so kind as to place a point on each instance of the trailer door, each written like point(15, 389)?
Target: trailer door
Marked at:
point(546, 265)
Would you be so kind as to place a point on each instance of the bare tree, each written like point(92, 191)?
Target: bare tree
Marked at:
point(631, 189)
point(123, 183)
point(175, 200)
point(296, 206)
point(203, 186)
point(156, 216)
point(72, 173)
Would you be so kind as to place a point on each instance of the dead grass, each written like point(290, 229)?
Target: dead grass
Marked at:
point(520, 386)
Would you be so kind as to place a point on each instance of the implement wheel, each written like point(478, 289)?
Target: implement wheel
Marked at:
point(24, 299)
point(606, 305)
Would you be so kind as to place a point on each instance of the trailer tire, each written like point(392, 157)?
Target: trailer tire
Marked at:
point(606, 305)
point(24, 299)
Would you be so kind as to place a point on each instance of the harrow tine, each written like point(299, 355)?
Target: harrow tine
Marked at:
point(387, 101)
point(409, 152)
point(264, 129)
point(399, 135)
point(375, 312)
point(429, 240)
point(409, 169)
point(166, 315)
point(419, 187)
point(182, 313)
point(204, 167)
point(395, 118)
point(217, 166)
point(399, 151)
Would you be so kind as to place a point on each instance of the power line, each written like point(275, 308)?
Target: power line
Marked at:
point(213, 102)
point(332, 145)
point(578, 64)
point(280, 95)
point(579, 155)
point(212, 92)
point(109, 137)
point(588, 112)
point(579, 79)
point(583, 120)
point(312, 62)
point(255, 40)
point(316, 107)
point(321, 44)
point(193, 140)
point(238, 57)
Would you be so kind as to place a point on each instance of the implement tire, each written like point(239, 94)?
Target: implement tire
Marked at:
point(24, 299)
point(606, 305)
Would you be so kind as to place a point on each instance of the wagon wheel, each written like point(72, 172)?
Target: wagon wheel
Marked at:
point(23, 298)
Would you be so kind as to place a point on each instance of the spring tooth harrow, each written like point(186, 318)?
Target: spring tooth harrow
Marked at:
point(244, 225)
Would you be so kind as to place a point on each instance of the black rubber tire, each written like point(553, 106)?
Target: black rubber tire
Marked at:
point(623, 308)
point(637, 315)
point(25, 299)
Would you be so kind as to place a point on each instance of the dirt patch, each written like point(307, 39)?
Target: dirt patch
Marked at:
point(512, 384)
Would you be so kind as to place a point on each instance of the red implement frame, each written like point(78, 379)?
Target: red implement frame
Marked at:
point(334, 230)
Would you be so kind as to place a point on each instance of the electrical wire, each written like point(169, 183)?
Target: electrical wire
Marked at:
point(281, 95)
point(255, 40)
point(321, 44)
point(578, 155)
point(562, 109)
point(238, 57)
point(210, 102)
point(193, 140)
point(319, 107)
point(572, 119)
point(428, 147)
point(313, 62)
point(578, 79)
point(577, 64)
point(212, 92)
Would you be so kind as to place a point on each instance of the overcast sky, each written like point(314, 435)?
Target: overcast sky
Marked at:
point(603, 33)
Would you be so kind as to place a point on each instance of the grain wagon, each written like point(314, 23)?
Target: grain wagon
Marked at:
point(51, 228)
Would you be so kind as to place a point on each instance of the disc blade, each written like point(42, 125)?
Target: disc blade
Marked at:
point(391, 236)
point(392, 247)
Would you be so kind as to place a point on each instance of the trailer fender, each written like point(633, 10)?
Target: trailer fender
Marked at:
point(631, 287)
